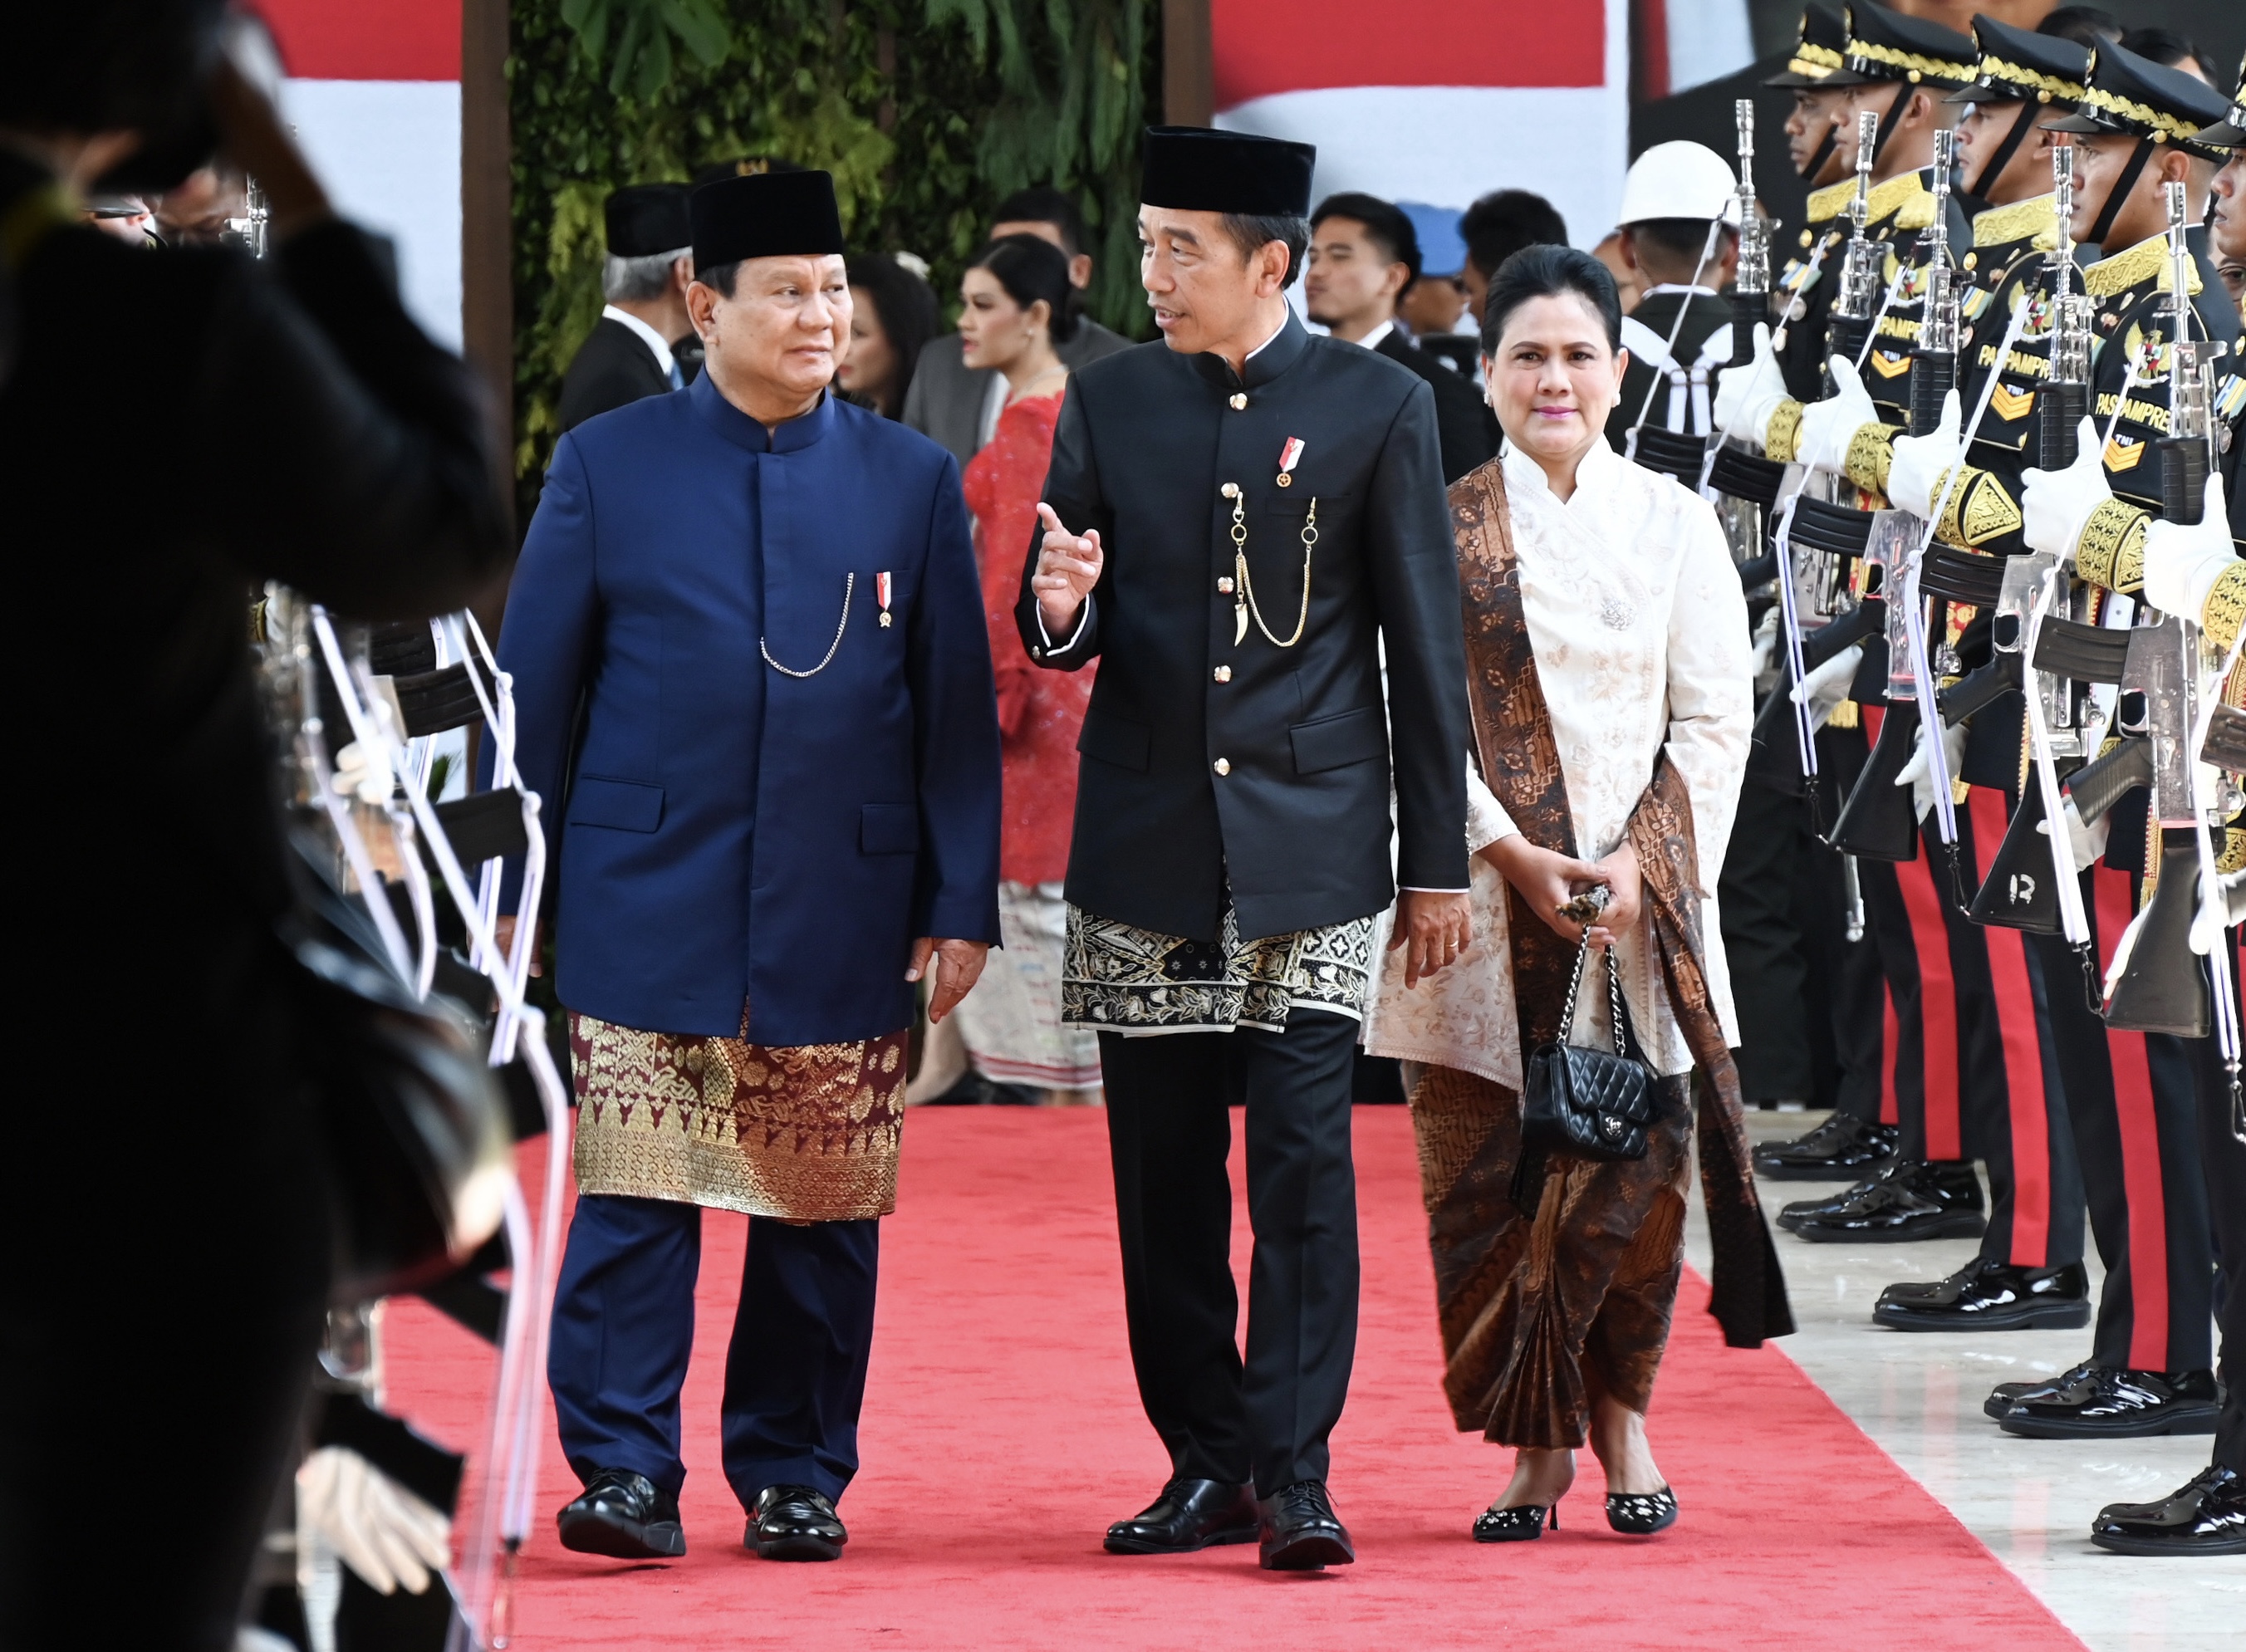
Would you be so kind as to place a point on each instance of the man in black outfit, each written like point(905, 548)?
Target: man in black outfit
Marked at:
point(1235, 518)
point(628, 353)
point(1498, 226)
point(1364, 254)
point(172, 1215)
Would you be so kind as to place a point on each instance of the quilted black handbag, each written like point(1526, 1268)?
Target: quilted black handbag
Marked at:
point(1594, 1104)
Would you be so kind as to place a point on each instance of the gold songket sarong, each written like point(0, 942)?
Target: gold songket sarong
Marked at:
point(803, 1132)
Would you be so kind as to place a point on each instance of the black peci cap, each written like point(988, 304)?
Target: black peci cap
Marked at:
point(644, 219)
point(1885, 48)
point(774, 215)
point(2019, 65)
point(2230, 133)
point(1198, 169)
point(1816, 48)
point(2135, 97)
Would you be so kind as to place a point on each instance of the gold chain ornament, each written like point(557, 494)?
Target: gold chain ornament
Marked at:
point(1243, 590)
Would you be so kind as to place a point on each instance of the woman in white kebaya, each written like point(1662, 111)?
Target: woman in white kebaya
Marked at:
point(1610, 674)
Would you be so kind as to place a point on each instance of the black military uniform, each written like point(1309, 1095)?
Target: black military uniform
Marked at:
point(615, 364)
point(2207, 1515)
point(1235, 789)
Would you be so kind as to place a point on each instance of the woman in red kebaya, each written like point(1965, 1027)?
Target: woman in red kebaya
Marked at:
point(1017, 305)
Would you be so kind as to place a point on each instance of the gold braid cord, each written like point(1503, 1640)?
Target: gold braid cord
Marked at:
point(1976, 511)
point(2111, 551)
point(1783, 441)
point(1871, 450)
point(2225, 609)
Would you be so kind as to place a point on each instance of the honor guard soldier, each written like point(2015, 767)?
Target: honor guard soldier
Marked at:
point(1817, 143)
point(630, 352)
point(1951, 1056)
point(784, 798)
point(2141, 1125)
point(2192, 571)
point(1236, 519)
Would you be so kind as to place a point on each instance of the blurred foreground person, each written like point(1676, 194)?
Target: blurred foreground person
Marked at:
point(1236, 521)
point(187, 1270)
point(785, 797)
point(1606, 642)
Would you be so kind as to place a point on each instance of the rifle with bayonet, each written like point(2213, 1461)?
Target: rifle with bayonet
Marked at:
point(1856, 300)
point(2065, 393)
point(2157, 982)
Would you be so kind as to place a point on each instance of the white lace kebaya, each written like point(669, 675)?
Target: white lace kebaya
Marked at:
point(1634, 610)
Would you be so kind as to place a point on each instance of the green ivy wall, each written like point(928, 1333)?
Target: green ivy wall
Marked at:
point(926, 110)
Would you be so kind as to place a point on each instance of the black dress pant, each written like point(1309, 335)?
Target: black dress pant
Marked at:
point(1771, 851)
point(2224, 1160)
point(1170, 1130)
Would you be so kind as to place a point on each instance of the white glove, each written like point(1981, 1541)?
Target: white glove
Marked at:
point(1918, 774)
point(1920, 460)
point(1765, 651)
point(380, 1530)
point(1826, 687)
point(2055, 504)
point(1827, 425)
point(354, 775)
point(2086, 843)
point(2182, 564)
point(1746, 397)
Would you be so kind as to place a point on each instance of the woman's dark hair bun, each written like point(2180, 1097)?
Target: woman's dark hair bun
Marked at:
point(1547, 271)
point(1032, 268)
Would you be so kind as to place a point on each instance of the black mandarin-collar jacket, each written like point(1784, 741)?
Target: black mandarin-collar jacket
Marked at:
point(1208, 763)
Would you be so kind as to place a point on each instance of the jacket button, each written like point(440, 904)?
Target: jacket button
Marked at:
point(1238, 402)
point(1224, 586)
point(1224, 674)
point(1036, 653)
point(1223, 767)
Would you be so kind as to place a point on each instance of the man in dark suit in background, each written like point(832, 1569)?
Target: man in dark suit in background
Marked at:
point(1364, 254)
point(650, 261)
point(958, 406)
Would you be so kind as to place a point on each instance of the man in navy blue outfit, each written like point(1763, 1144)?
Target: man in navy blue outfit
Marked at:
point(780, 812)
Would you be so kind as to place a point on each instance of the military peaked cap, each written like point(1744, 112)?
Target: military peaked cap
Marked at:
point(2137, 97)
point(1816, 48)
point(2019, 65)
point(1885, 47)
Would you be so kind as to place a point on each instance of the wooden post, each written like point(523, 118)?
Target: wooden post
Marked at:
point(1188, 67)
point(486, 214)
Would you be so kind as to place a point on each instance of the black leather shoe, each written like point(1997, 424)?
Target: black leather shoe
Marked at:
point(1524, 1523)
point(794, 1523)
point(1990, 1297)
point(2207, 1516)
point(625, 1516)
point(1188, 1515)
point(1937, 1201)
point(1841, 1149)
point(1642, 1514)
point(2107, 1403)
point(1795, 1211)
point(1301, 1531)
point(2004, 1395)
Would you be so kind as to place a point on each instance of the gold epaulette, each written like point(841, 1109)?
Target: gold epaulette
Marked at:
point(1830, 201)
point(2111, 550)
point(2147, 261)
point(1907, 197)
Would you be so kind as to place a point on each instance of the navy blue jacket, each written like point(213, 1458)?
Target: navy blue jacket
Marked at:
point(734, 832)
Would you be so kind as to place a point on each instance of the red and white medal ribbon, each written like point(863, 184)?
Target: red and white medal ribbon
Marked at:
point(881, 596)
point(1288, 455)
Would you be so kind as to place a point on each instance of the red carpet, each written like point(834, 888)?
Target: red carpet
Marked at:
point(1003, 1432)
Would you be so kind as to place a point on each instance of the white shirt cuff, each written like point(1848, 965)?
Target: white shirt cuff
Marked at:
point(1083, 619)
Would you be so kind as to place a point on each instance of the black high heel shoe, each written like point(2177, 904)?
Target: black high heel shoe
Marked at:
point(1642, 1514)
point(1520, 1524)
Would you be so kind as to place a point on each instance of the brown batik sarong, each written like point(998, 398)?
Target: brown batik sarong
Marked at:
point(1540, 1313)
point(804, 1132)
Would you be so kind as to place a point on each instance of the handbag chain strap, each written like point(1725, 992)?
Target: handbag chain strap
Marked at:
point(1622, 1041)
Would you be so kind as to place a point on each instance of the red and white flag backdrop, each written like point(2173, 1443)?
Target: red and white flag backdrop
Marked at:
point(374, 95)
point(1436, 102)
